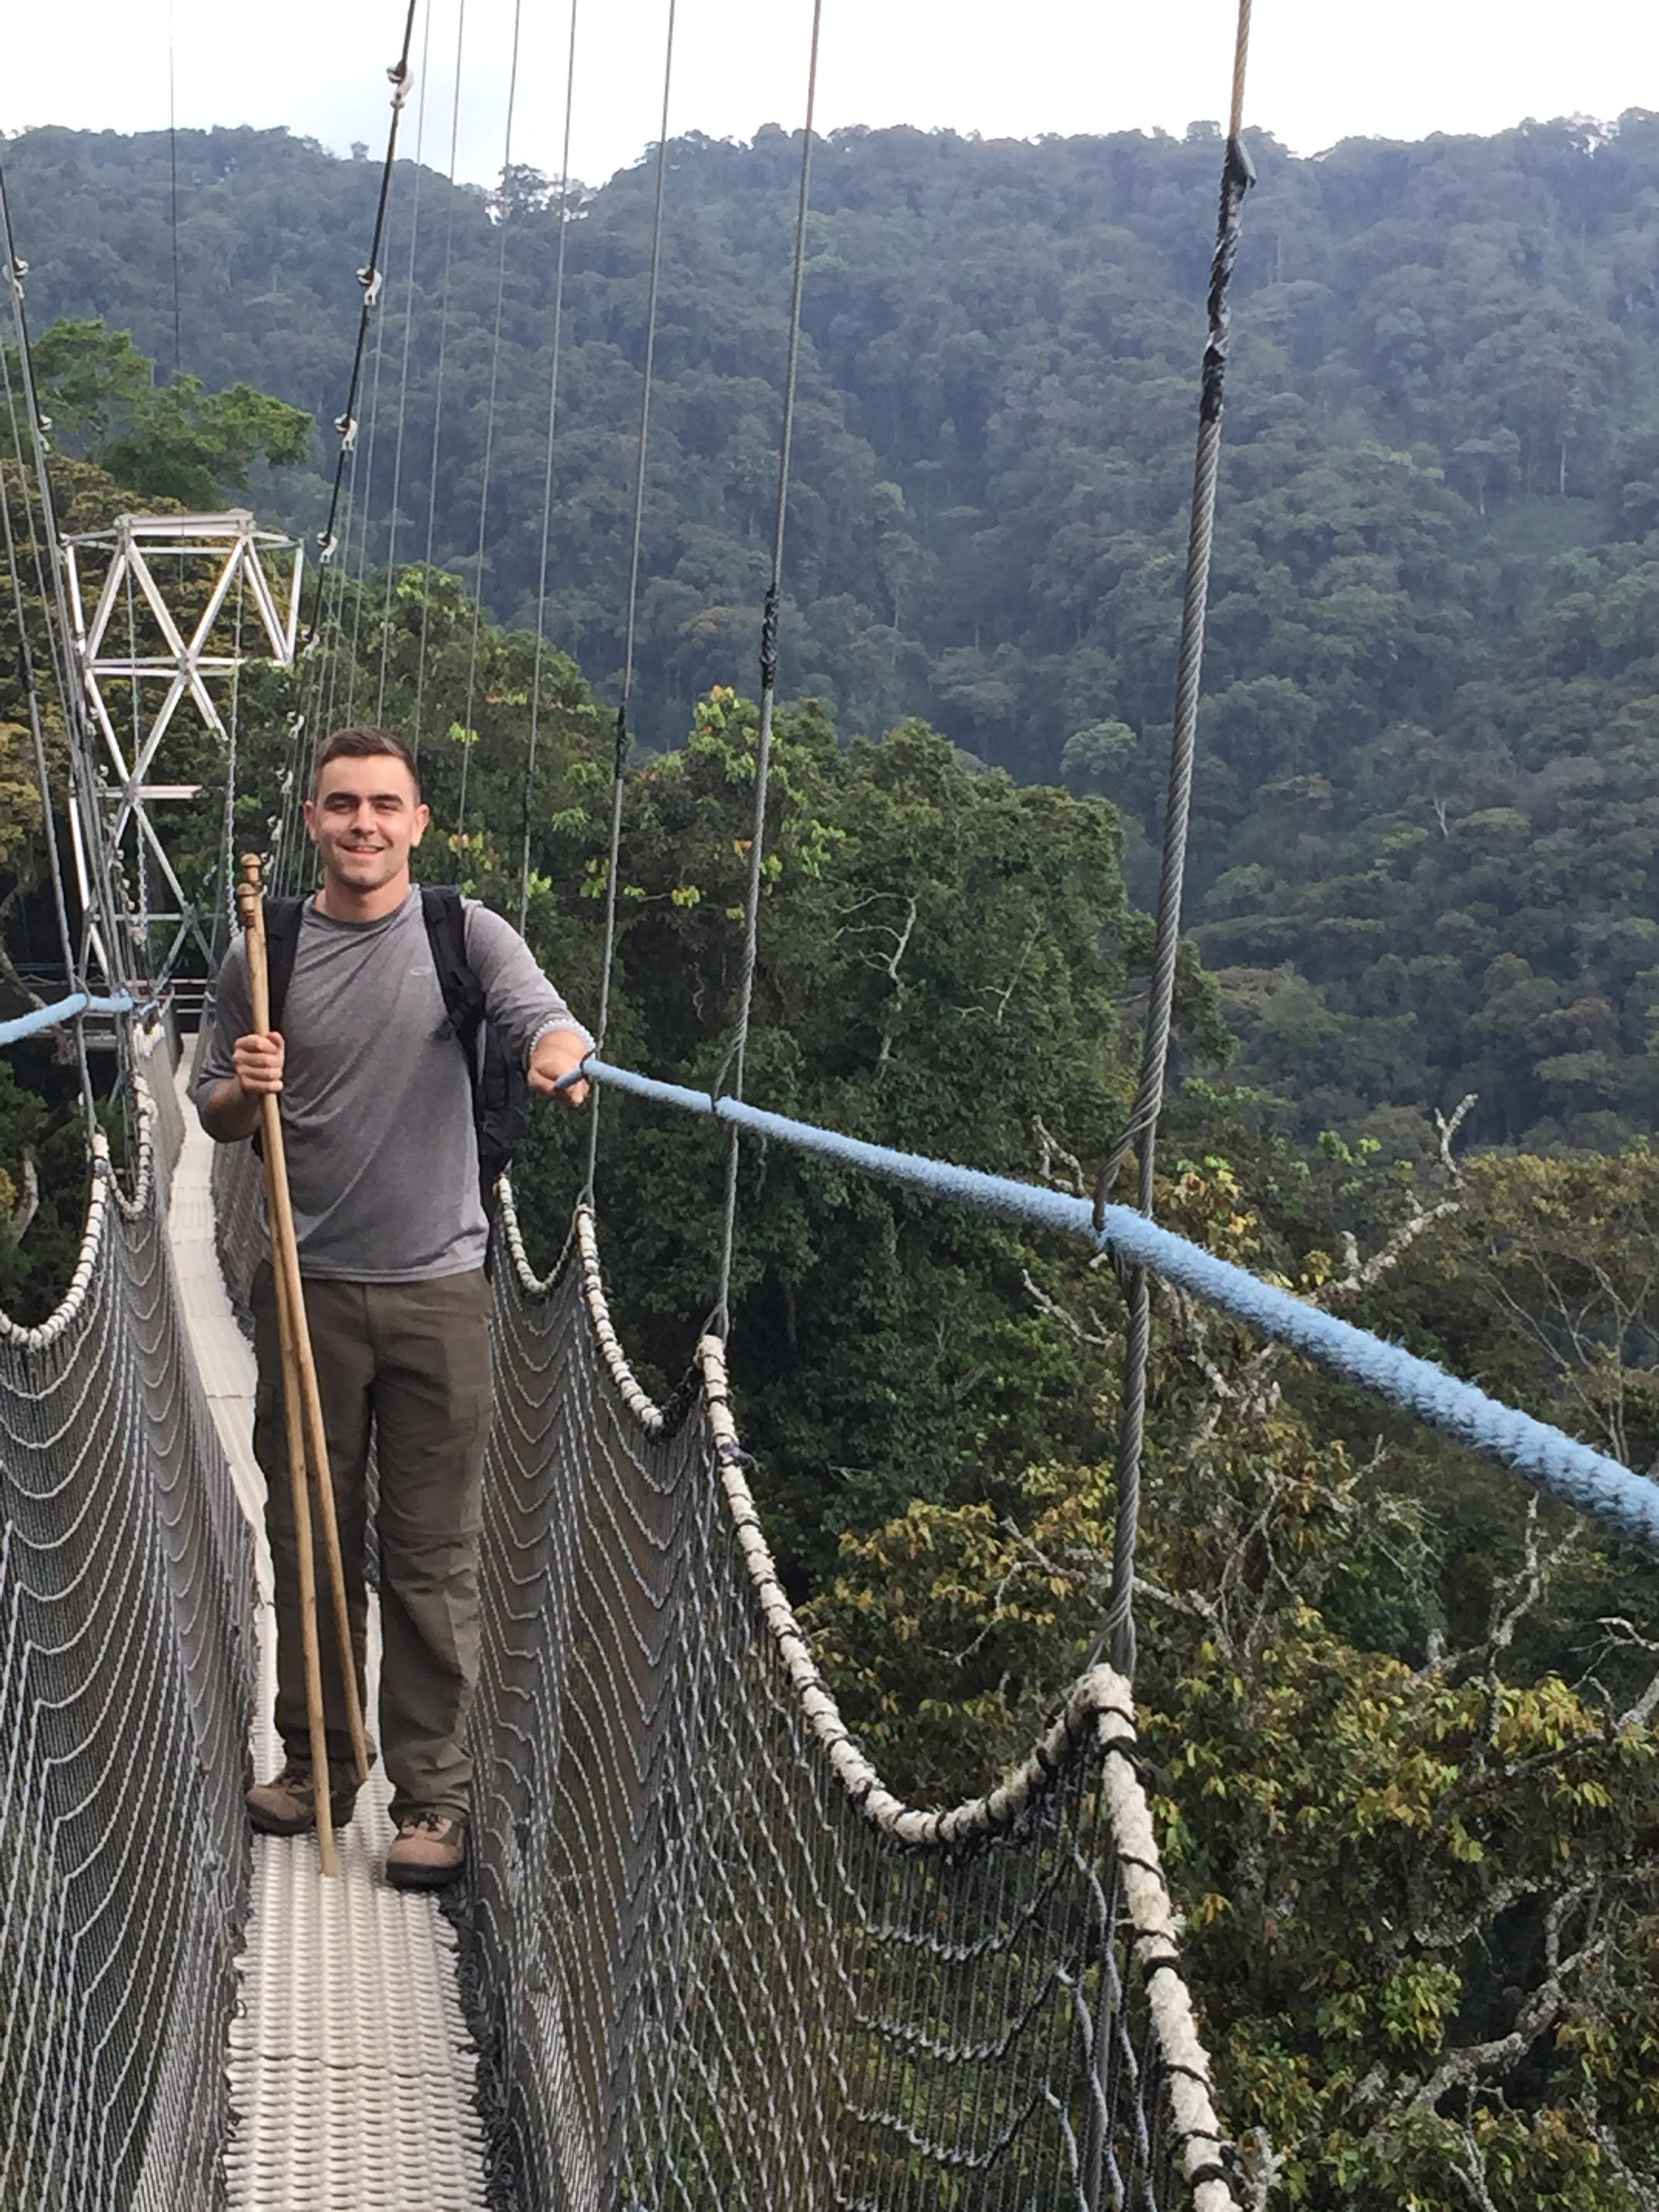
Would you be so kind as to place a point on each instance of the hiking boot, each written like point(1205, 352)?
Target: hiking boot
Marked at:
point(288, 1806)
point(430, 1852)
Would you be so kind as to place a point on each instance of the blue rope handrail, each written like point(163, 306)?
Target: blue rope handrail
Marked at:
point(1622, 1500)
point(62, 1010)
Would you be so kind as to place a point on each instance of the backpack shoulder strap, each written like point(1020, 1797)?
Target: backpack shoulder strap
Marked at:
point(446, 928)
point(283, 919)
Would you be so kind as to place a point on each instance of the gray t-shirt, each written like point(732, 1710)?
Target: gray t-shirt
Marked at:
point(377, 1095)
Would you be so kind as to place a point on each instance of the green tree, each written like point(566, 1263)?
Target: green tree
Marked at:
point(174, 441)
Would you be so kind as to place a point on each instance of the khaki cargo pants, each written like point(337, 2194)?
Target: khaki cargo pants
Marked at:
point(404, 1366)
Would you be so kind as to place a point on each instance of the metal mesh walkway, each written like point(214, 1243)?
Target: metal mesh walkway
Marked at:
point(720, 1963)
point(724, 1965)
point(351, 2073)
point(125, 1601)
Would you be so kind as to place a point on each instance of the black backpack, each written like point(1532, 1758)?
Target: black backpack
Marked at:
point(500, 1092)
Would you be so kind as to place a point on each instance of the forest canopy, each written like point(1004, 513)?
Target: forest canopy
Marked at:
point(1426, 815)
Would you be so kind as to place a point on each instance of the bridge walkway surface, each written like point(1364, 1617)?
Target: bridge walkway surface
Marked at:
point(352, 2073)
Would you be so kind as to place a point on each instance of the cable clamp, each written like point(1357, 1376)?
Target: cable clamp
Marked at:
point(347, 427)
point(327, 544)
point(370, 279)
point(400, 77)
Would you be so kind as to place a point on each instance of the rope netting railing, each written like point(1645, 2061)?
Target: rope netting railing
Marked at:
point(721, 1964)
point(126, 1596)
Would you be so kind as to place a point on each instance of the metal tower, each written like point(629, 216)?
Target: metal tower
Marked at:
point(181, 602)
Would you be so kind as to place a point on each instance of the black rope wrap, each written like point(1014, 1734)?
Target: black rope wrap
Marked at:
point(1237, 175)
point(768, 645)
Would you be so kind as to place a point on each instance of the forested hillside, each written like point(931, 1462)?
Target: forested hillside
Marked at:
point(1429, 796)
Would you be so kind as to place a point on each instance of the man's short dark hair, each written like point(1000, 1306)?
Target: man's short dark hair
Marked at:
point(361, 742)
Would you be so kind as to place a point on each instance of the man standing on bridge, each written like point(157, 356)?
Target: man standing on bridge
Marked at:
point(379, 1113)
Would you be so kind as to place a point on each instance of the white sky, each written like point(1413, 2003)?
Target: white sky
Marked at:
point(1321, 69)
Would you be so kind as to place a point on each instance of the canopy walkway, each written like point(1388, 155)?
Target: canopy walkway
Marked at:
point(712, 1961)
point(703, 1958)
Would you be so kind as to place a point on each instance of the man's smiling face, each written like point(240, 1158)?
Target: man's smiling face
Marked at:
point(365, 819)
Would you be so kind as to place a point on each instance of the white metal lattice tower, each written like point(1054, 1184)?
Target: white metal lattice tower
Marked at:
point(232, 594)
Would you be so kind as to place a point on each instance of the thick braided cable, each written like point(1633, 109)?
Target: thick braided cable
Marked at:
point(736, 1052)
point(369, 277)
point(547, 480)
point(624, 742)
point(1237, 177)
point(1561, 1466)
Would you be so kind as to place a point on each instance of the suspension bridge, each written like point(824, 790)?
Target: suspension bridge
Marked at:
point(704, 1956)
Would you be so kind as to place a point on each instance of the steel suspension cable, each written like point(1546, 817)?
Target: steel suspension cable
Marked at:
point(304, 722)
point(225, 905)
point(624, 742)
point(1237, 177)
point(736, 1052)
point(358, 513)
point(547, 481)
point(60, 632)
point(438, 381)
point(403, 371)
point(369, 277)
point(172, 205)
point(469, 738)
point(74, 972)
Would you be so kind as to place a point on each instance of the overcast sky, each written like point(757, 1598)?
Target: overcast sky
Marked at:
point(1321, 69)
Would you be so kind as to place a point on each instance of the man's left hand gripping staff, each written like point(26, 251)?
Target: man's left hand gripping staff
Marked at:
point(555, 1060)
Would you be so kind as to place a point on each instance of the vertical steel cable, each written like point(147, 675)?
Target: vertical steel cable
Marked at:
point(737, 1051)
point(60, 632)
point(370, 278)
point(622, 743)
point(225, 905)
point(547, 481)
point(438, 383)
point(489, 447)
point(74, 971)
point(1236, 177)
point(172, 165)
point(303, 743)
point(403, 371)
point(174, 202)
point(360, 513)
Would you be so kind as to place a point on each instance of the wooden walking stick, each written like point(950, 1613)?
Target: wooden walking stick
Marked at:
point(250, 908)
point(303, 1400)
